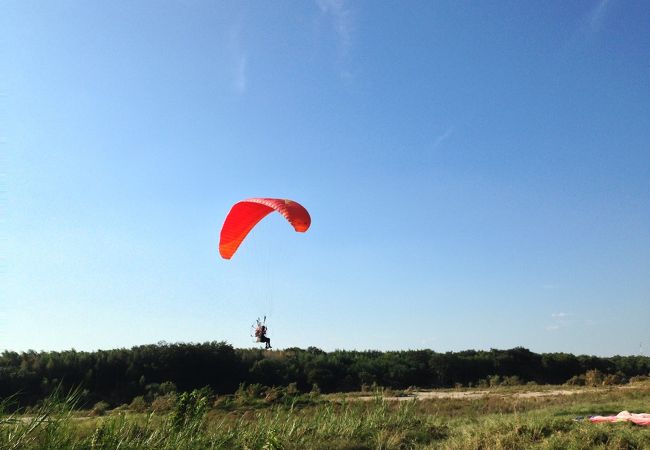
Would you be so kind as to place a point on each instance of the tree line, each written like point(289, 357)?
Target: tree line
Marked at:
point(117, 376)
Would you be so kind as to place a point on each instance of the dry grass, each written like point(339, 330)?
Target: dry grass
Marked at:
point(500, 420)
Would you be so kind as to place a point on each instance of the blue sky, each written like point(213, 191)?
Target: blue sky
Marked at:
point(478, 173)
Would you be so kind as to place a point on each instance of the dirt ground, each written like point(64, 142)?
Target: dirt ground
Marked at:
point(471, 394)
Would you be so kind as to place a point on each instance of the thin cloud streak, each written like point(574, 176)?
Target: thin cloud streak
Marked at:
point(342, 21)
point(442, 138)
point(239, 60)
point(560, 320)
point(240, 80)
point(341, 18)
point(588, 25)
point(596, 16)
point(560, 315)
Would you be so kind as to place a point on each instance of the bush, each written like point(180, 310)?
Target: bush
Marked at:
point(511, 381)
point(100, 408)
point(138, 404)
point(167, 387)
point(124, 407)
point(594, 378)
point(164, 403)
point(613, 379)
point(576, 380)
point(271, 395)
point(639, 379)
point(292, 389)
point(249, 394)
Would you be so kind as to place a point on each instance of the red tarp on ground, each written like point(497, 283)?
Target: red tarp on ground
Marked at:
point(624, 416)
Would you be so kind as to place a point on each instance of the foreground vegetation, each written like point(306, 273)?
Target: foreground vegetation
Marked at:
point(273, 418)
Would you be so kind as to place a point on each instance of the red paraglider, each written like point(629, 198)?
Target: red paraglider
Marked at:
point(243, 217)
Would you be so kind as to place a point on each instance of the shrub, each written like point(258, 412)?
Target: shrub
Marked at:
point(100, 408)
point(494, 380)
point(613, 379)
point(138, 404)
point(511, 381)
point(594, 378)
point(271, 395)
point(249, 394)
point(167, 387)
point(292, 389)
point(639, 379)
point(576, 380)
point(164, 403)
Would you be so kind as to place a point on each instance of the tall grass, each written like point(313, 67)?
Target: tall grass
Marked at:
point(50, 421)
point(495, 422)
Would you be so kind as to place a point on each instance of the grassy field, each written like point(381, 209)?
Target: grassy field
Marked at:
point(502, 418)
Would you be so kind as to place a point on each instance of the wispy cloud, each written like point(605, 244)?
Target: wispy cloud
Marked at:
point(428, 341)
point(338, 13)
point(342, 21)
point(596, 16)
point(442, 138)
point(588, 25)
point(559, 320)
point(240, 72)
point(239, 60)
point(560, 315)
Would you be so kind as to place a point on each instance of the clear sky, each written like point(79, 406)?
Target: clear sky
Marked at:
point(478, 173)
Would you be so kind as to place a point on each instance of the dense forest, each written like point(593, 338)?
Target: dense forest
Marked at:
point(118, 376)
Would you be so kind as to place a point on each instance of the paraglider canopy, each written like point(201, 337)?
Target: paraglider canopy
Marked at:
point(244, 215)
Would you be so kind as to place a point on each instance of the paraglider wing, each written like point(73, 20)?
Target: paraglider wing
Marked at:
point(244, 215)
